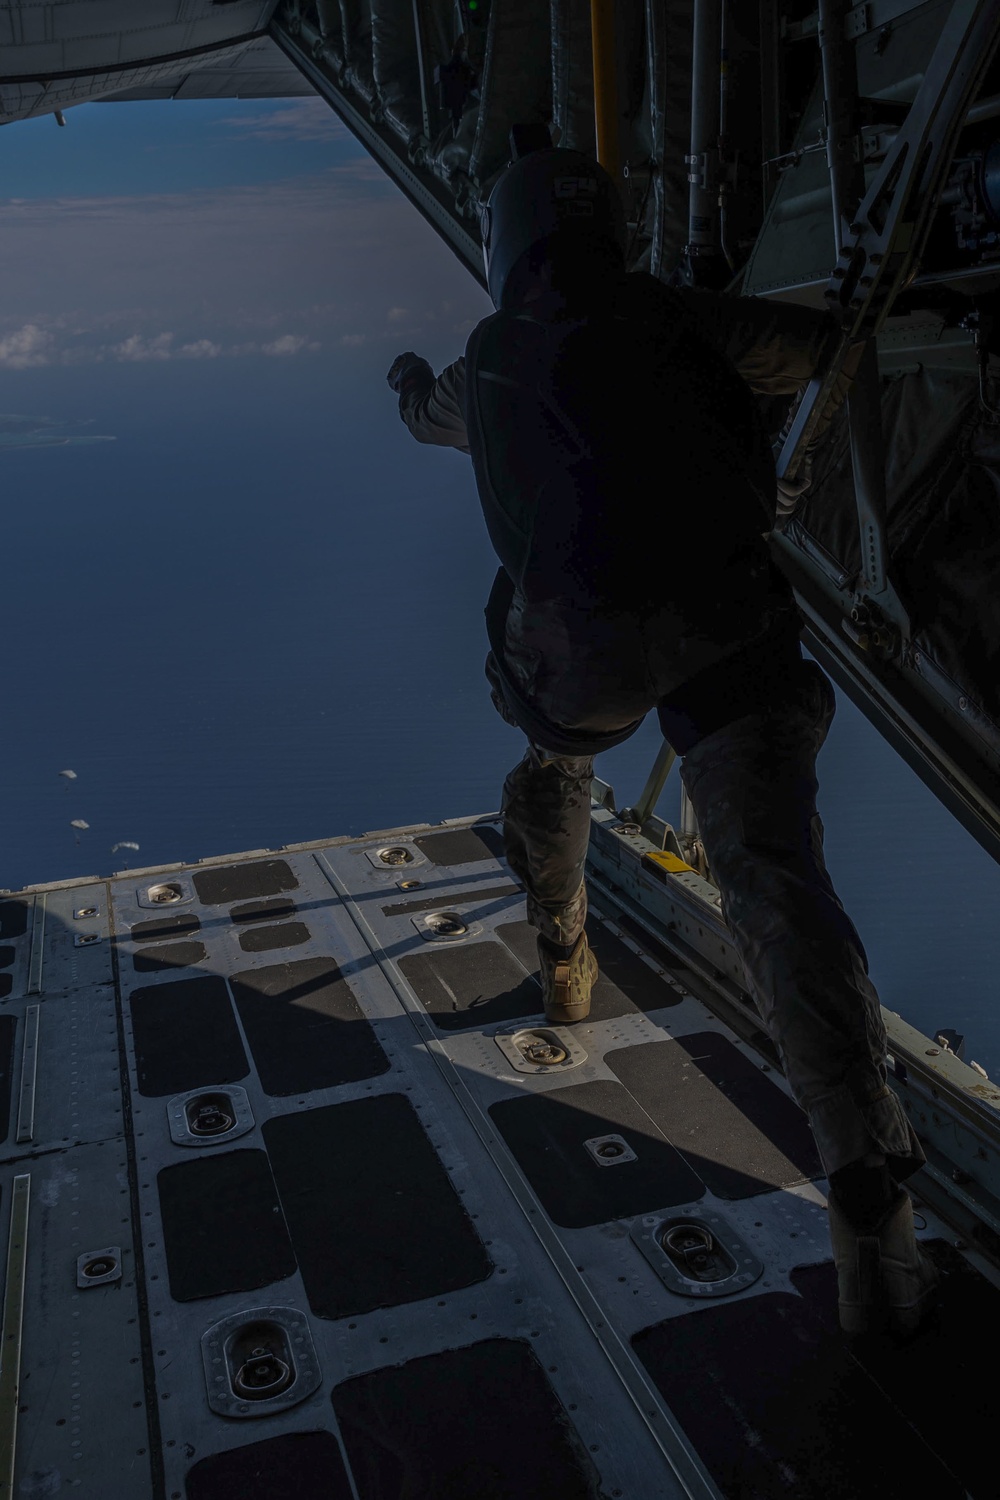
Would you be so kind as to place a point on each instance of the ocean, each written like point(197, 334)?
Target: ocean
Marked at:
point(255, 618)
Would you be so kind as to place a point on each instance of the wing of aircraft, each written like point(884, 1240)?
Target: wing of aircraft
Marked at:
point(53, 56)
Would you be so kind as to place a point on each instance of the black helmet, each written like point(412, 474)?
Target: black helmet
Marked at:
point(551, 197)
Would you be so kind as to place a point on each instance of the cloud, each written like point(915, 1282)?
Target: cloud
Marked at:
point(200, 349)
point(303, 120)
point(289, 343)
point(138, 348)
point(275, 270)
point(25, 346)
point(34, 346)
point(161, 347)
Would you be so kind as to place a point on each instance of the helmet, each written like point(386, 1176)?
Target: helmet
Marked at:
point(550, 193)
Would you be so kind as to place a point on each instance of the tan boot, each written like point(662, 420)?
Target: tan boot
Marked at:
point(884, 1281)
point(567, 976)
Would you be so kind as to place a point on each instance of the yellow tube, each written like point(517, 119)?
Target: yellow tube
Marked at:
point(602, 27)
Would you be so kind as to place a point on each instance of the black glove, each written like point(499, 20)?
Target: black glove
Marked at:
point(790, 491)
point(403, 366)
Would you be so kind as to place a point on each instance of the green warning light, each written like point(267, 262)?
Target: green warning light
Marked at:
point(473, 4)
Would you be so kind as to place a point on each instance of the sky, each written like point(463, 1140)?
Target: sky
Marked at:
point(200, 302)
point(238, 600)
point(197, 231)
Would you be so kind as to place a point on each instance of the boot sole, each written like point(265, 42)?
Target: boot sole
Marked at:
point(567, 1015)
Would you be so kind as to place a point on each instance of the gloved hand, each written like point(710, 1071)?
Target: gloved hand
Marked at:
point(404, 365)
point(790, 491)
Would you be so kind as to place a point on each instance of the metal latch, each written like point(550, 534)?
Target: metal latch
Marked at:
point(204, 1116)
point(259, 1361)
point(262, 1375)
point(610, 1150)
point(695, 1253)
point(540, 1049)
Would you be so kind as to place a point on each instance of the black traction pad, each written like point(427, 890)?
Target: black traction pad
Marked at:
point(461, 846)
point(737, 1130)
point(13, 918)
point(546, 1132)
point(222, 1226)
point(164, 927)
point(305, 1028)
point(372, 1213)
point(281, 935)
point(695, 984)
point(780, 1407)
point(185, 1036)
point(293, 1466)
point(480, 1423)
point(264, 877)
point(965, 1322)
point(7, 957)
point(168, 956)
point(7, 1028)
point(473, 985)
point(263, 911)
point(453, 898)
point(625, 985)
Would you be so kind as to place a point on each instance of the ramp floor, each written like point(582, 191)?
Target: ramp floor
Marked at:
point(306, 1199)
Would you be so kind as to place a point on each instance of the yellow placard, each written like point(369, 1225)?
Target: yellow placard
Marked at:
point(669, 862)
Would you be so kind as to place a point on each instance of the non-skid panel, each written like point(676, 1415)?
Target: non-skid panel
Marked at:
point(461, 846)
point(372, 1213)
point(293, 1466)
point(546, 1132)
point(7, 956)
point(185, 1036)
point(13, 918)
point(687, 977)
point(739, 1132)
point(913, 1376)
point(780, 1408)
point(281, 935)
point(168, 956)
point(264, 877)
point(305, 1028)
point(263, 911)
point(454, 898)
point(223, 1230)
point(8, 1026)
point(470, 985)
point(480, 1423)
point(625, 985)
point(164, 927)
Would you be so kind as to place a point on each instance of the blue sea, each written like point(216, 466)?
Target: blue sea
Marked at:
point(255, 618)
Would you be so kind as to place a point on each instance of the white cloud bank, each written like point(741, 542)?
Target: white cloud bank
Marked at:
point(335, 260)
point(299, 120)
point(31, 346)
point(24, 347)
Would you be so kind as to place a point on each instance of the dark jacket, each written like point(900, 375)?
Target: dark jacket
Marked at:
point(622, 466)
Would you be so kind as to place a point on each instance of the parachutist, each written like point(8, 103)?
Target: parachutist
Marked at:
point(585, 382)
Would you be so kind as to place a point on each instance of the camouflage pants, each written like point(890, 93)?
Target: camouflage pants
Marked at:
point(753, 788)
point(546, 829)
